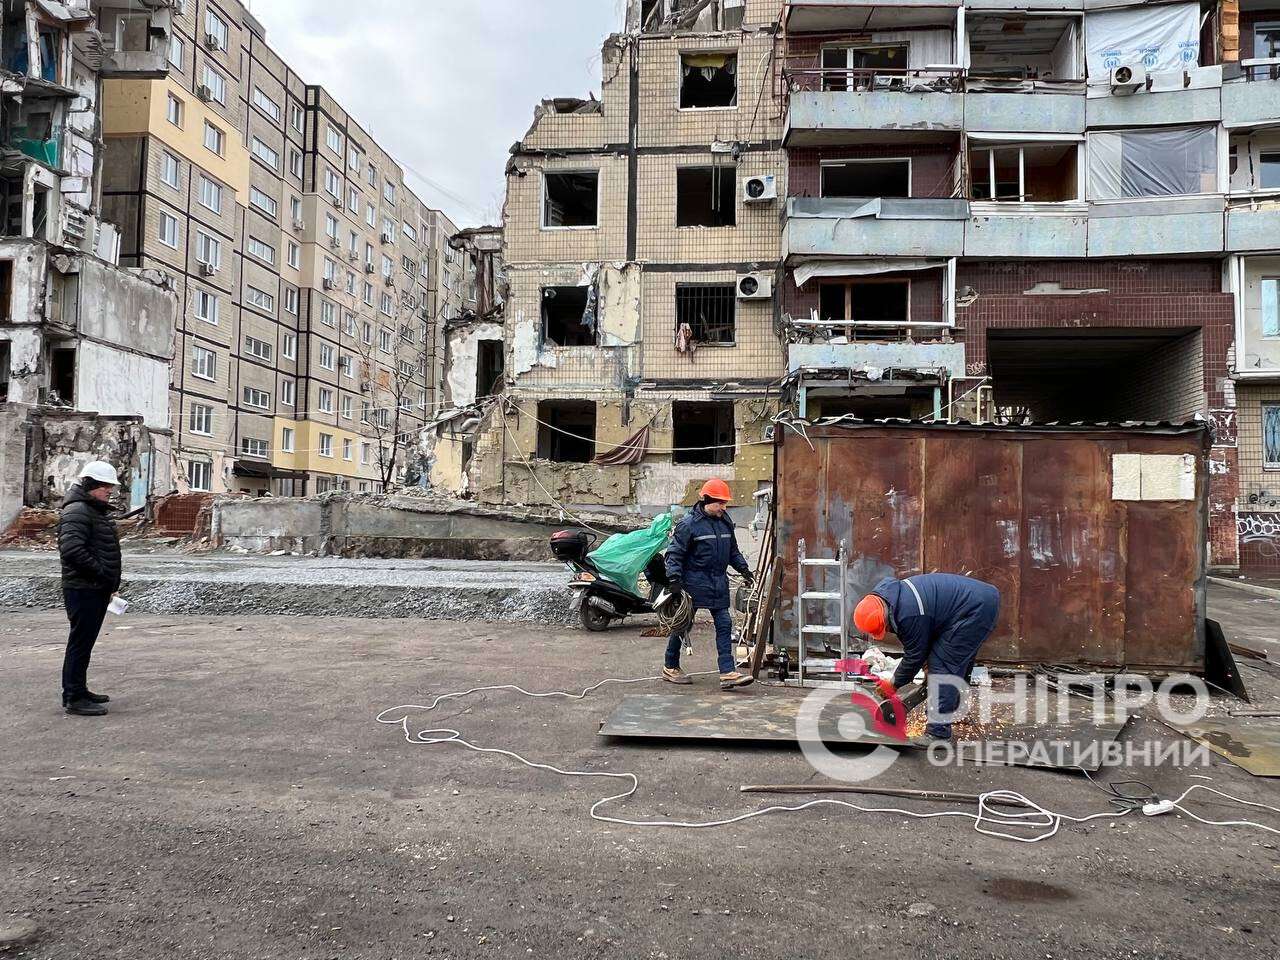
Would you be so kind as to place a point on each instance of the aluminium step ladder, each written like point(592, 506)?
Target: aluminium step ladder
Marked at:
point(809, 591)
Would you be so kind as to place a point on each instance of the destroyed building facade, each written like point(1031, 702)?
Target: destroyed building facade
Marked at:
point(85, 345)
point(948, 210)
point(641, 243)
point(311, 279)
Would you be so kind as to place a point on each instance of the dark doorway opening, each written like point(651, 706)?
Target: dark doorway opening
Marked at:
point(62, 374)
point(489, 368)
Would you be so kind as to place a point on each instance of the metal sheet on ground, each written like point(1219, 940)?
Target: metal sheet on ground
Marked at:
point(1253, 745)
point(761, 717)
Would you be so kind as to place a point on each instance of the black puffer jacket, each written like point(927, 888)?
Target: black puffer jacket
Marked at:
point(88, 544)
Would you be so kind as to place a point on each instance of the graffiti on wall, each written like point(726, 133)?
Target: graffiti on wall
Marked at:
point(1260, 530)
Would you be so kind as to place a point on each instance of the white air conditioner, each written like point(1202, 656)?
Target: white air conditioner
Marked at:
point(212, 42)
point(337, 203)
point(391, 281)
point(330, 284)
point(207, 269)
point(760, 189)
point(1128, 79)
point(387, 238)
point(755, 286)
point(299, 224)
point(204, 93)
point(353, 256)
point(368, 268)
point(335, 243)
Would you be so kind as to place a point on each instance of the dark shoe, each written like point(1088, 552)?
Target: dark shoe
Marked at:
point(81, 707)
point(96, 697)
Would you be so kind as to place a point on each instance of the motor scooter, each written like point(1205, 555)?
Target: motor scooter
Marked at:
point(598, 600)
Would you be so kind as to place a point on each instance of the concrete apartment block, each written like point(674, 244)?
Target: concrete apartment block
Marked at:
point(313, 284)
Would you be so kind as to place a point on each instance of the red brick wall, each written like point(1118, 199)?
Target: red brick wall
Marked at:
point(176, 514)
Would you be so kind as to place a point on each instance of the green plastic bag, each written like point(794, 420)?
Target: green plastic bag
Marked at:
point(623, 557)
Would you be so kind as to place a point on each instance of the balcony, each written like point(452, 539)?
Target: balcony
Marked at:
point(1251, 99)
point(1253, 224)
point(1011, 113)
point(876, 227)
point(830, 106)
point(135, 38)
point(1168, 102)
point(1156, 227)
point(945, 358)
point(1057, 230)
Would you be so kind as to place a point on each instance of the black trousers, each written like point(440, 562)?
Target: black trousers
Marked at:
point(86, 609)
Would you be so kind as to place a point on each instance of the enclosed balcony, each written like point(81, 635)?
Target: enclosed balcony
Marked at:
point(877, 227)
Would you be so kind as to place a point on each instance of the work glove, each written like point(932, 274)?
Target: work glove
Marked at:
point(749, 579)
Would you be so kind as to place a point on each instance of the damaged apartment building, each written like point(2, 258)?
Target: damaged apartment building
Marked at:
point(641, 244)
point(1058, 211)
point(85, 345)
point(311, 280)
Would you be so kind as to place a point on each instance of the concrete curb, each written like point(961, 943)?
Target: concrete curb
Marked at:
point(1253, 588)
point(172, 597)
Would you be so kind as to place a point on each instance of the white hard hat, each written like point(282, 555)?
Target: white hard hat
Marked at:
point(102, 472)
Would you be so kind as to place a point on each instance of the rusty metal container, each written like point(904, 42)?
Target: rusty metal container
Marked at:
point(1095, 535)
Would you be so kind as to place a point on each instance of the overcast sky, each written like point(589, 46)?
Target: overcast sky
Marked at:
point(445, 86)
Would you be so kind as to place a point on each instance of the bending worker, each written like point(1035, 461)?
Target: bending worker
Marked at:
point(941, 620)
point(702, 549)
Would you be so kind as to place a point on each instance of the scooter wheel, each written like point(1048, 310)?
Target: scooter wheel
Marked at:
point(597, 621)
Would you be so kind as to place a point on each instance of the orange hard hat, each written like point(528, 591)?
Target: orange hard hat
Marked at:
point(717, 490)
point(871, 616)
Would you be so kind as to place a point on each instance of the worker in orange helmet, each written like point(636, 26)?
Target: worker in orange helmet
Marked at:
point(702, 549)
point(942, 620)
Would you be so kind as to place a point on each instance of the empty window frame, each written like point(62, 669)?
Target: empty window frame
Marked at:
point(1025, 173)
point(888, 177)
point(563, 311)
point(707, 196)
point(708, 81)
point(855, 68)
point(866, 301)
point(709, 310)
point(702, 432)
point(571, 198)
point(567, 430)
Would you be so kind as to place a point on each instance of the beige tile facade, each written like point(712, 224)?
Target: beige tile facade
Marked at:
point(286, 302)
point(637, 223)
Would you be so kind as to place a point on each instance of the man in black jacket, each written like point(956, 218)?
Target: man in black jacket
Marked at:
point(90, 549)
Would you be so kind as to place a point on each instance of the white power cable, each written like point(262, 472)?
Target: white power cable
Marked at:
point(989, 820)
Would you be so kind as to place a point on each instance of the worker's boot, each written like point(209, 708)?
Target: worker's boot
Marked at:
point(676, 675)
point(83, 707)
point(96, 697)
point(734, 680)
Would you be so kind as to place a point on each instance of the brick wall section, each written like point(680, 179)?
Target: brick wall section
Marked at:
point(176, 514)
point(1167, 384)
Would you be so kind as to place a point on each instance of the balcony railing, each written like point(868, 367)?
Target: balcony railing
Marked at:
point(805, 78)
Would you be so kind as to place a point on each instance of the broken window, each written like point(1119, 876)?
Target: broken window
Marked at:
point(709, 80)
point(6, 288)
point(1013, 46)
point(571, 199)
point(62, 375)
point(702, 432)
point(707, 196)
point(855, 68)
point(708, 310)
point(866, 178)
point(565, 320)
point(866, 301)
point(567, 430)
point(1027, 173)
point(4, 371)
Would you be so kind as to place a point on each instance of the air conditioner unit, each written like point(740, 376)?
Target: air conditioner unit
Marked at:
point(337, 203)
point(391, 281)
point(760, 189)
point(353, 256)
point(330, 284)
point(755, 286)
point(368, 268)
point(335, 243)
point(1127, 79)
point(387, 238)
point(204, 93)
point(212, 42)
point(207, 269)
